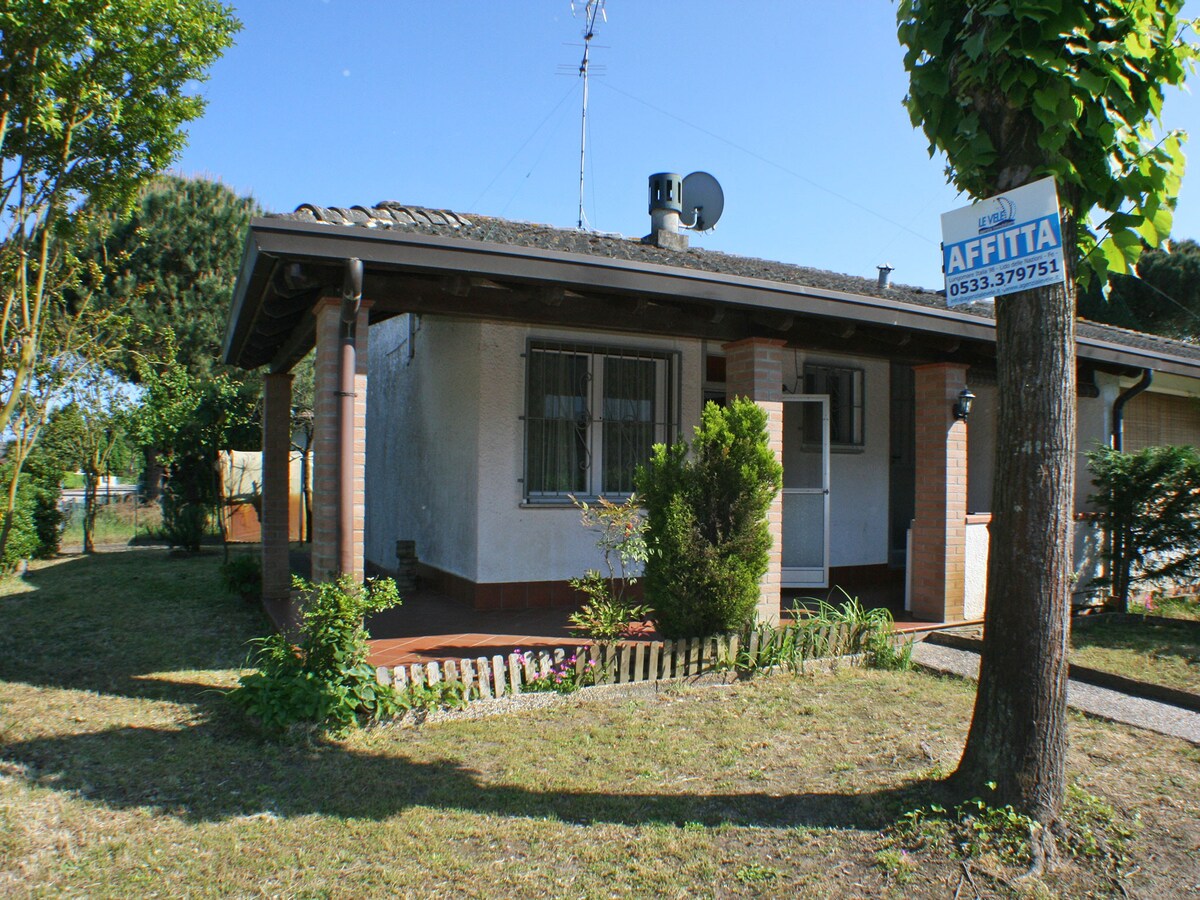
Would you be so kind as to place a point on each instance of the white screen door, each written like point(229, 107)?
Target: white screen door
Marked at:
point(805, 491)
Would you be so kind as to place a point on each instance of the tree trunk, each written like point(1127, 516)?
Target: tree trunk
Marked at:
point(306, 510)
point(1018, 736)
point(89, 510)
point(10, 510)
point(152, 476)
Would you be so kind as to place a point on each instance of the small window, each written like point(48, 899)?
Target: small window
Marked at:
point(592, 415)
point(844, 387)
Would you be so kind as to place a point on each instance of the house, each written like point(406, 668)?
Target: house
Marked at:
point(472, 373)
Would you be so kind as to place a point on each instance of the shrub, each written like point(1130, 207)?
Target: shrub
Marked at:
point(184, 522)
point(425, 698)
point(609, 613)
point(22, 541)
point(826, 633)
point(242, 576)
point(325, 680)
point(1150, 507)
point(708, 539)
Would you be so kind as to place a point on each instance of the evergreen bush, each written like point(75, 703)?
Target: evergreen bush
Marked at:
point(708, 539)
point(23, 541)
point(1150, 507)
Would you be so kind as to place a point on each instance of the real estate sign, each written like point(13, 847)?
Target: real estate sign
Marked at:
point(1007, 243)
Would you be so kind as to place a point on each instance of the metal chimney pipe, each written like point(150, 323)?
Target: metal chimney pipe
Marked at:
point(666, 202)
point(885, 276)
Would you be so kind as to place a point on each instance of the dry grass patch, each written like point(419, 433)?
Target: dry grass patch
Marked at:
point(123, 774)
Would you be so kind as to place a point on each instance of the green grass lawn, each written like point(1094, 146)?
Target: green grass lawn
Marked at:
point(123, 773)
point(118, 523)
point(1161, 653)
point(1181, 606)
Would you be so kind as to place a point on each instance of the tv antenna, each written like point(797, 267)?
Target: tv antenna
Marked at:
point(591, 9)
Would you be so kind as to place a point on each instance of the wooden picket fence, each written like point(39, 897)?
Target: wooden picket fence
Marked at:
point(627, 663)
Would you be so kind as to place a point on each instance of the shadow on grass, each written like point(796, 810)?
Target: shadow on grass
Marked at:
point(1164, 641)
point(103, 622)
point(215, 776)
point(133, 623)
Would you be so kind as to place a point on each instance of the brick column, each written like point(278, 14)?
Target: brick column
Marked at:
point(939, 533)
point(325, 440)
point(276, 448)
point(754, 369)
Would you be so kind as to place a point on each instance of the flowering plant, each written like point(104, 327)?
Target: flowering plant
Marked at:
point(609, 613)
point(562, 676)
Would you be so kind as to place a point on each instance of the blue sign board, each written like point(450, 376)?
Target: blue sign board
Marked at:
point(1007, 243)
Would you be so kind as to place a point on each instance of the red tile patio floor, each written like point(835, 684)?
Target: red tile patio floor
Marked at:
point(430, 627)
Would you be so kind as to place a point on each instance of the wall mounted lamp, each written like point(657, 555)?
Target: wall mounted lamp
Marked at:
point(962, 406)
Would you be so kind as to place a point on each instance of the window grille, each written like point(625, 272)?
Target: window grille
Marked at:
point(592, 414)
point(844, 387)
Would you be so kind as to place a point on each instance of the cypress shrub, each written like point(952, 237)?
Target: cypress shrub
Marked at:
point(708, 539)
point(1149, 504)
point(22, 542)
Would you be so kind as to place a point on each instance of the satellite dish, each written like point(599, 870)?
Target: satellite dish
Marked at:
point(703, 201)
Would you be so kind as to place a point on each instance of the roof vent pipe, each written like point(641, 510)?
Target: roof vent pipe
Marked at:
point(666, 202)
point(666, 205)
point(885, 276)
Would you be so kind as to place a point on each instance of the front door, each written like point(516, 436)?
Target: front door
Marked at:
point(805, 491)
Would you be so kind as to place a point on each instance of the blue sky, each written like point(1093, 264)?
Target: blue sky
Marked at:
point(794, 106)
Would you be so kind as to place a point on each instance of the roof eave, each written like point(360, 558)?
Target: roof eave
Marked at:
point(271, 239)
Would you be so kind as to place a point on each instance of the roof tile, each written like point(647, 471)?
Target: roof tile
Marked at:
point(392, 214)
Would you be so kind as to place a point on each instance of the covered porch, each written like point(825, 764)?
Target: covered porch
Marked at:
point(312, 282)
point(431, 627)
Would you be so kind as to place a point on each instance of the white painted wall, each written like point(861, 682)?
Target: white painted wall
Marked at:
point(445, 442)
point(858, 479)
point(445, 450)
point(538, 543)
point(1092, 423)
point(423, 442)
point(1093, 429)
point(975, 580)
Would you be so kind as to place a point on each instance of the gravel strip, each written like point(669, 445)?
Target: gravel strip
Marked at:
point(1095, 701)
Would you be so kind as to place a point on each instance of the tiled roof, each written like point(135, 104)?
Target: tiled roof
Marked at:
point(392, 215)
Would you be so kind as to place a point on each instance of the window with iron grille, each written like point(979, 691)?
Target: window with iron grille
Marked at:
point(844, 387)
point(591, 416)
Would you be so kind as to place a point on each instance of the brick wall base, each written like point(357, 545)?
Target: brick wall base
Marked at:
point(485, 596)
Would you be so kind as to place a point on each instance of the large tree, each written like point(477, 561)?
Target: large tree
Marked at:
point(1013, 91)
point(172, 261)
point(1161, 295)
point(93, 94)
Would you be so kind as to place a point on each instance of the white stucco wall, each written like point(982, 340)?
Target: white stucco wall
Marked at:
point(858, 479)
point(422, 442)
point(975, 579)
point(1092, 423)
point(445, 450)
point(537, 543)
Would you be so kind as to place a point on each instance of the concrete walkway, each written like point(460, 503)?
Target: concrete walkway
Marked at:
point(1096, 701)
